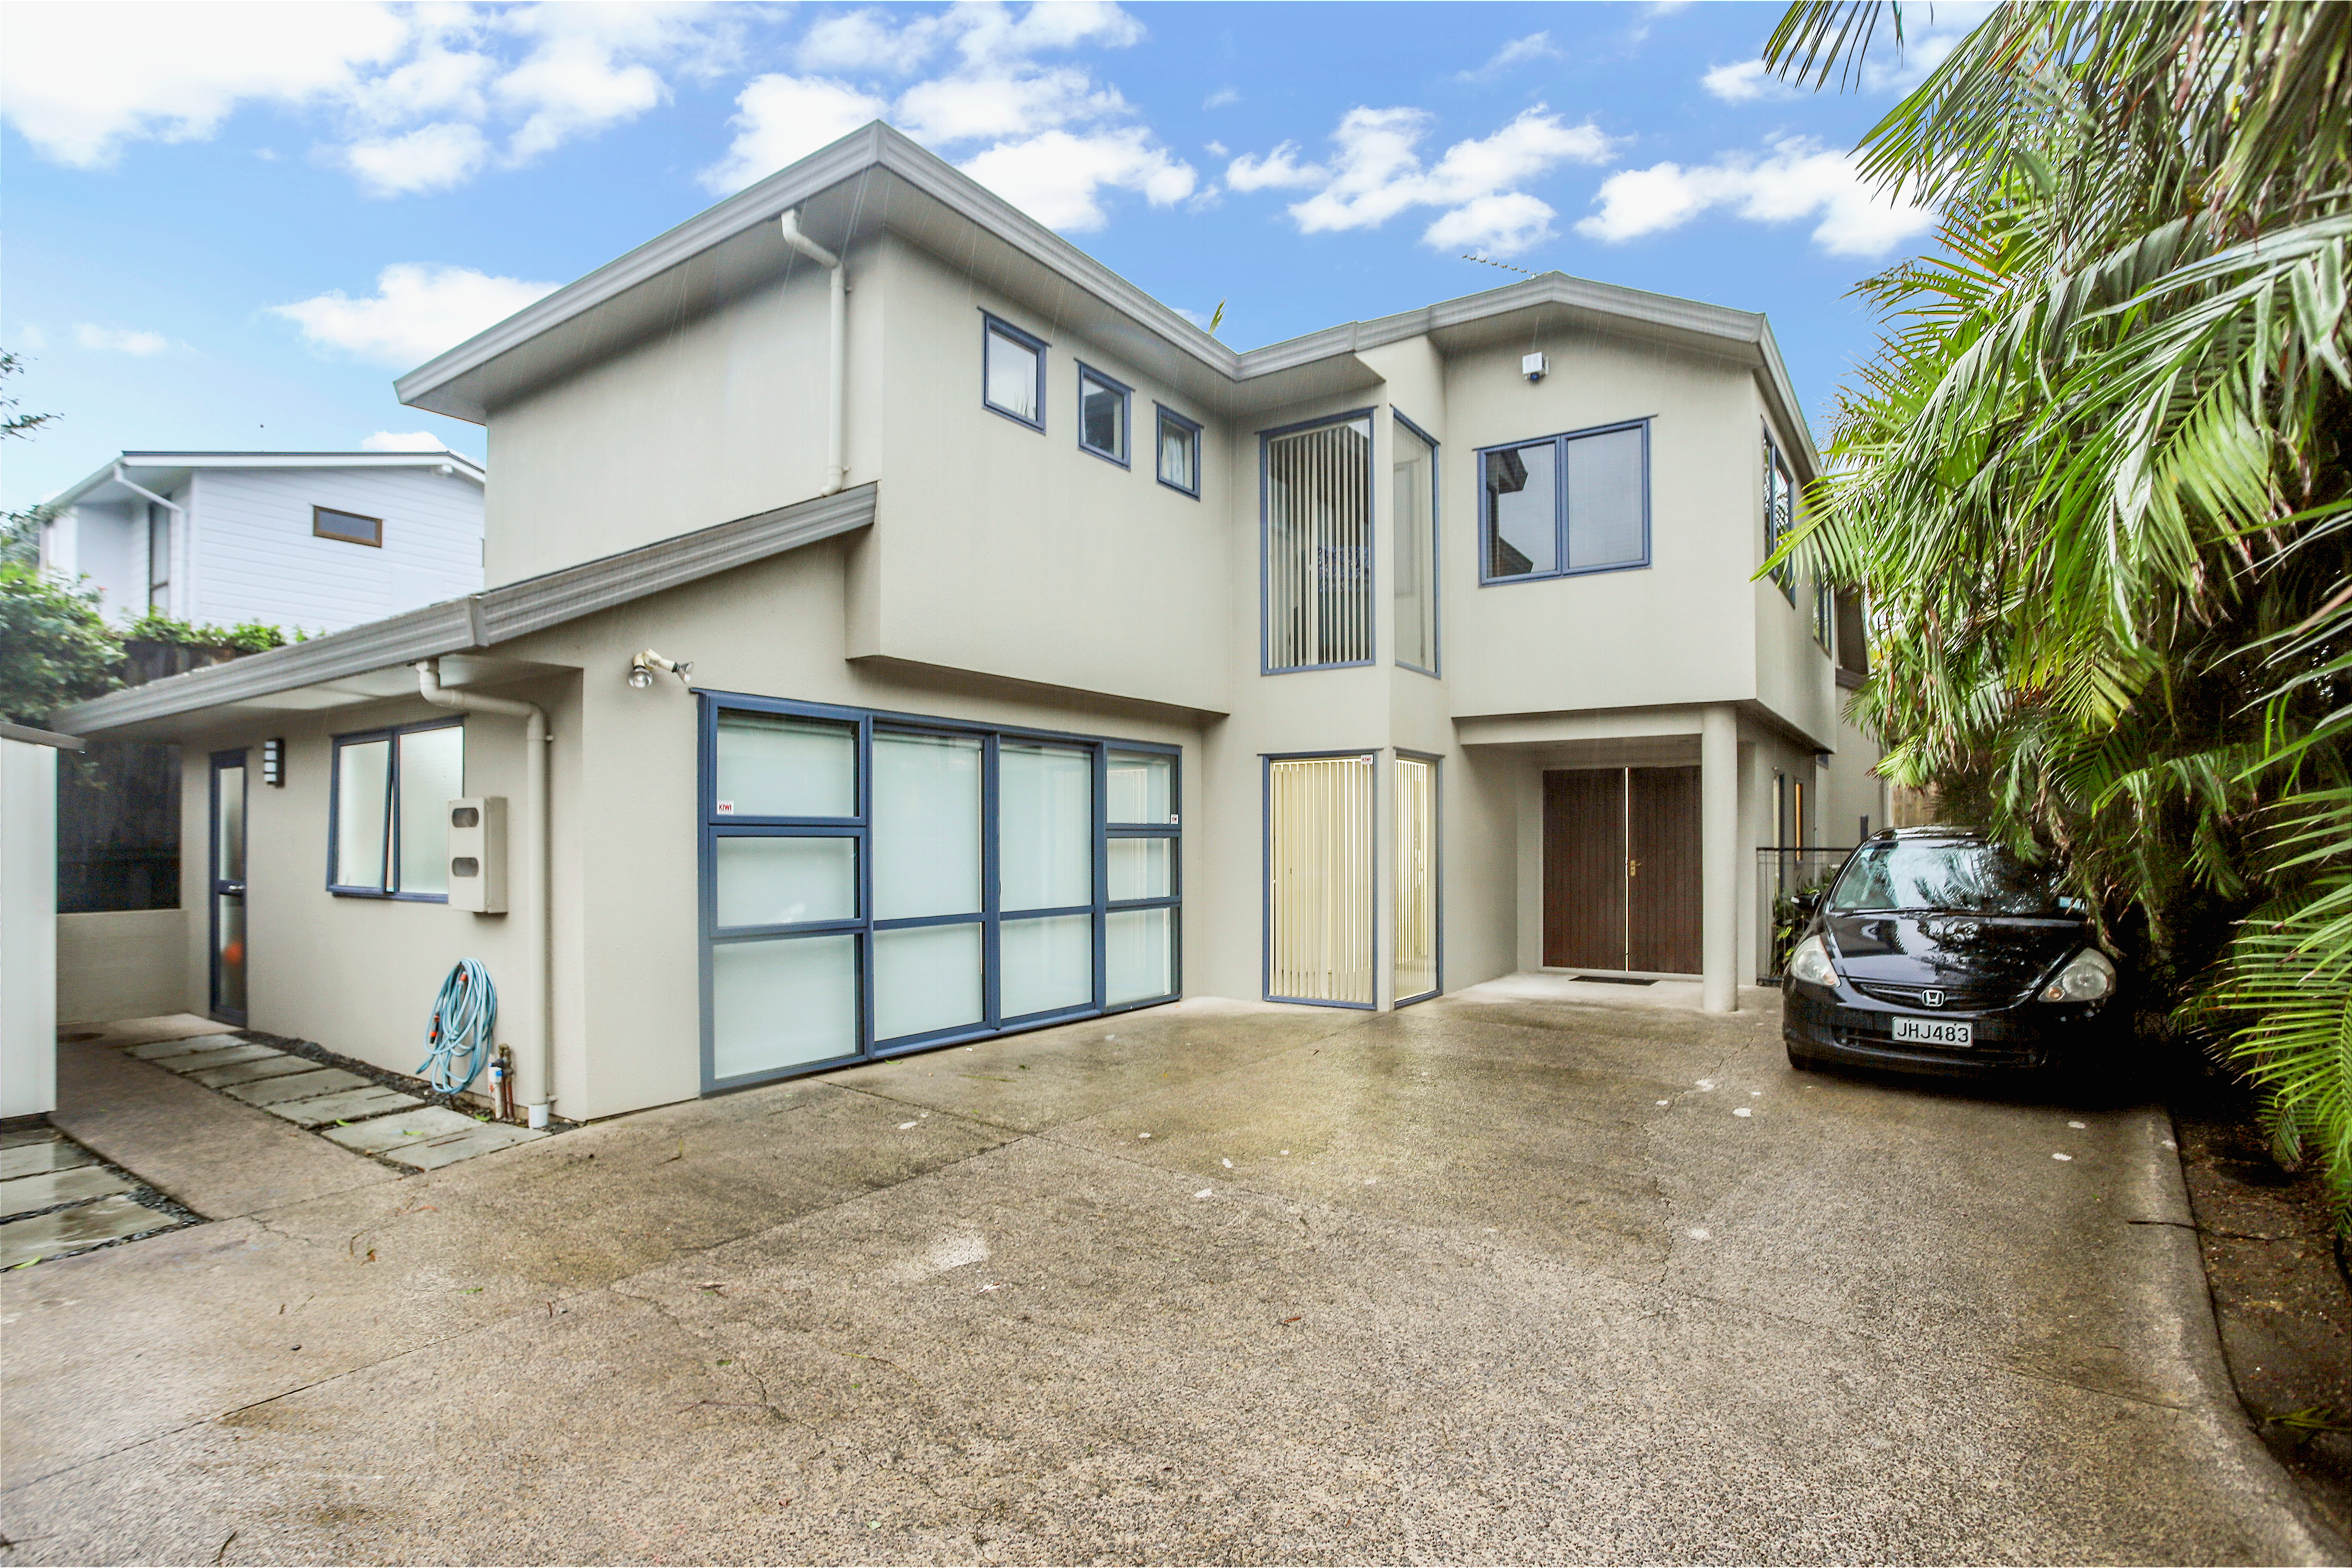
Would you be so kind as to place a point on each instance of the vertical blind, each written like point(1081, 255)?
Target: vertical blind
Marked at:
point(1319, 546)
point(1416, 878)
point(1319, 866)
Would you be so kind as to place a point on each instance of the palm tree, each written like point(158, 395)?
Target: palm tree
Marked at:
point(2098, 484)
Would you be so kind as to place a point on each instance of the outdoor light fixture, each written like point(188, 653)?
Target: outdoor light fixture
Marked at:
point(1535, 367)
point(642, 667)
point(273, 763)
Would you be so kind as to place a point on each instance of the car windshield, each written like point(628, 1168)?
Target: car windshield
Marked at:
point(1947, 874)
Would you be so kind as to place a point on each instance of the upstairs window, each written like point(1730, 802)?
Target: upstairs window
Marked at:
point(1825, 616)
point(1413, 463)
point(1318, 545)
point(388, 815)
point(1102, 416)
point(1567, 504)
point(1779, 513)
point(1014, 379)
point(1180, 453)
point(350, 527)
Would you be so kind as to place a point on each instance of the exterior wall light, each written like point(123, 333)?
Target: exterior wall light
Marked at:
point(642, 667)
point(1535, 367)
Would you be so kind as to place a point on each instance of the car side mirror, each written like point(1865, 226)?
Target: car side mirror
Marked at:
point(1808, 900)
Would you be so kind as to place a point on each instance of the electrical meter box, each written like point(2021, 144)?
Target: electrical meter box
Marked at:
point(478, 853)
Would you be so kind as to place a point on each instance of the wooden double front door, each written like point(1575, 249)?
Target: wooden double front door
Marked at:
point(1620, 877)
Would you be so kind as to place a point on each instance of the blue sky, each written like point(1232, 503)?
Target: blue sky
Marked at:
point(231, 225)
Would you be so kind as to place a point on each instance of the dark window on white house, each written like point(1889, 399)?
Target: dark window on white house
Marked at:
point(1102, 416)
point(350, 527)
point(1015, 374)
point(1567, 504)
point(1180, 453)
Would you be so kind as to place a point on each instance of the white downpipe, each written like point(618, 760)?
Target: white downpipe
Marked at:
point(835, 455)
point(537, 1054)
point(143, 491)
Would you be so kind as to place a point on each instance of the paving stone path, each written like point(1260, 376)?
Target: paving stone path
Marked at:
point(342, 1106)
point(56, 1198)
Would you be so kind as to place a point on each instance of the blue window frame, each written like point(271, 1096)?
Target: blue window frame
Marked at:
point(1012, 372)
point(1315, 544)
point(1417, 544)
point(822, 885)
point(1104, 411)
point(1565, 505)
point(387, 816)
point(1779, 512)
point(1177, 452)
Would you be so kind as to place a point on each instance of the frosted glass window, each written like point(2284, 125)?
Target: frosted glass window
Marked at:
point(228, 843)
point(363, 790)
point(1016, 377)
point(785, 881)
point(1141, 788)
point(1605, 522)
point(1141, 868)
point(1138, 953)
point(1046, 963)
point(1045, 826)
point(1102, 416)
point(1522, 515)
point(773, 764)
point(925, 978)
point(779, 1003)
point(926, 825)
point(1414, 496)
point(431, 773)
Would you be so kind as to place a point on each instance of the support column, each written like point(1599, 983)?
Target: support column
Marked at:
point(1718, 832)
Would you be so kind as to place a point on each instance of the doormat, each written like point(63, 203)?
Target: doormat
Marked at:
point(1613, 980)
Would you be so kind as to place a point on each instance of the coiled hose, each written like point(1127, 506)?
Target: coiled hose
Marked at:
point(464, 1016)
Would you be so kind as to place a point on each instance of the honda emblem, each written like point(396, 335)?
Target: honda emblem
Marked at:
point(1932, 998)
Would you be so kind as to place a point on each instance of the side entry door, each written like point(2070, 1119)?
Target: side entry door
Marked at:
point(226, 896)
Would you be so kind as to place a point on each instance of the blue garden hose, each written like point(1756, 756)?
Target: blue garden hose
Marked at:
point(464, 1016)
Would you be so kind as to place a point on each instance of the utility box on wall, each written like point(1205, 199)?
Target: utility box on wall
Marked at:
point(478, 853)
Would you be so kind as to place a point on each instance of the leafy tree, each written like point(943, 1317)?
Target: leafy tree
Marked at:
point(2098, 484)
point(246, 636)
point(54, 647)
point(11, 422)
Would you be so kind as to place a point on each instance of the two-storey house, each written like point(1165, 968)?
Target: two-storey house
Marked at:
point(322, 541)
point(1048, 657)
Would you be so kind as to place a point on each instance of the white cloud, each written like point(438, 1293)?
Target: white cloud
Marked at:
point(784, 118)
point(1799, 179)
point(1056, 178)
point(31, 338)
point(431, 158)
point(1049, 137)
point(120, 339)
point(413, 99)
point(1517, 52)
point(1377, 172)
point(1745, 82)
point(419, 309)
point(404, 441)
point(1222, 97)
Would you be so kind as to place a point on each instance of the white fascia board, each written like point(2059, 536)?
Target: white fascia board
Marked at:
point(465, 466)
point(452, 384)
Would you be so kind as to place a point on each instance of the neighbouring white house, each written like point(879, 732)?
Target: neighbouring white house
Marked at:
point(1049, 659)
point(322, 541)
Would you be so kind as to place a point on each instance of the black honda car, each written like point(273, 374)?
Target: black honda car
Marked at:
point(1935, 952)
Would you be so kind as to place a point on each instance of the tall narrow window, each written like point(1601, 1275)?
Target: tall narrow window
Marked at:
point(1102, 415)
point(1014, 372)
point(1579, 502)
point(392, 790)
point(1319, 546)
point(1779, 513)
point(1825, 615)
point(1180, 453)
point(1415, 921)
point(1414, 466)
point(1319, 820)
point(159, 559)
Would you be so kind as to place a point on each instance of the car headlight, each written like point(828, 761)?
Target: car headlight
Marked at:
point(2088, 977)
point(1810, 962)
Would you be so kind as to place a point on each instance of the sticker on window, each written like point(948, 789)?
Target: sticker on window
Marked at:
point(726, 808)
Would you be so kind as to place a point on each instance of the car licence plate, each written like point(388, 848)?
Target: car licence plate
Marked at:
point(1934, 1032)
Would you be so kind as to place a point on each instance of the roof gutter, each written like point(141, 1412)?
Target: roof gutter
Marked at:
point(836, 467)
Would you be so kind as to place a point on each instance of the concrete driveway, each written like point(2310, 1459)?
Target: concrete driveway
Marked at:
point(1486, 1280)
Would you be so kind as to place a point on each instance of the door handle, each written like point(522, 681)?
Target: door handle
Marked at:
point(236, 888)
point(1632, 867)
